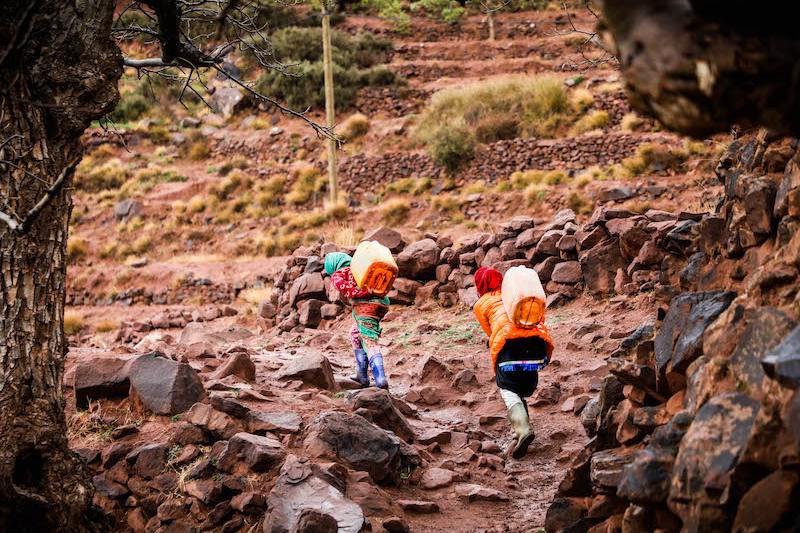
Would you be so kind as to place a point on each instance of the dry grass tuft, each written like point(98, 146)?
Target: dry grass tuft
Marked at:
point(73, 322)
point(104, 326)
point(256, 295)
point(593, 120)
point(395, 211)
point(356, 125)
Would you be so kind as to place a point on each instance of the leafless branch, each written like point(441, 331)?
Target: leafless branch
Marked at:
point(491, 7)
point(591, 38)
point(27, 221)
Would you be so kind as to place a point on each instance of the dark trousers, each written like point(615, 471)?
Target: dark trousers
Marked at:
point(521, 382)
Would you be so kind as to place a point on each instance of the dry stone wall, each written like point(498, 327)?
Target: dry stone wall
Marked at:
point(495, 161)
point(697, 427)
point(615, 252)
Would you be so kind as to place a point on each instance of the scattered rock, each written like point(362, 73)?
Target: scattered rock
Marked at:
point(100, 377)
point(473, 493)
point(361, 445)
point(164, 386)
point(419, 260)
point(298, 489)
point(377, 406)
point(436, 478)
point(237, 364)
point(387, 237)
point(311, 368)
point(247, 452)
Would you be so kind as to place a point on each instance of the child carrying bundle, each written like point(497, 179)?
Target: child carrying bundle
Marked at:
point(511, 313)
point(376, 271)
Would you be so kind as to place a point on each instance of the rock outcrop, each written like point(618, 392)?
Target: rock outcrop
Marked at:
point(697, 425)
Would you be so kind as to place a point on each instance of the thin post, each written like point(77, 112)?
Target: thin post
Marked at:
point(330, 113)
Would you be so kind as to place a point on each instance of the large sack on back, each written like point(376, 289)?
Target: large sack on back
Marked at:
point(523, 296)
point(373, 267)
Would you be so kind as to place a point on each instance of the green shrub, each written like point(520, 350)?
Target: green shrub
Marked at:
point(632, 122)
point(234, 181)
point(451, 147)
point(498, 109)
point(447, 11)
point(147, 178)
point(305, 44)
point(357, 63)
point(392, 11)
point(198, 151)
point(414, 186)
point(578, 203)
point(491, 129)
point(654, 158)
point(130, 108)
point(305, 87)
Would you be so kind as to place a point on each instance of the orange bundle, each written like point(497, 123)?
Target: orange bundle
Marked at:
point(374, 268)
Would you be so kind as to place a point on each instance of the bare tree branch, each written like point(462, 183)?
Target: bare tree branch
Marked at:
point(28, 220)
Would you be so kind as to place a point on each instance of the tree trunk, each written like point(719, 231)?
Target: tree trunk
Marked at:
point(59, 70)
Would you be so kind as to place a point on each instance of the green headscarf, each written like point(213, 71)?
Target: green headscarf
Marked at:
point(335, 261)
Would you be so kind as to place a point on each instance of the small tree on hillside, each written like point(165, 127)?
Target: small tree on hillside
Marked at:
point(59, 69)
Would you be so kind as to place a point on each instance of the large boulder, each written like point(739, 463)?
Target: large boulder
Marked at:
point(361, 445)
point(647, 479)
point(568, 272)
point(387, 237)
point(101, 377)
point(311, 368)
point(419, 260)
point(707, 463)
point(606, 467)
point(245, 452)
point(783, 362)
point(377, 406)
point(766, 328)
point(214, 423)
point(770, 504)
point(599, 266)
point(261, 422)
point(680, 340)
point(310, 312)
point(128, 208)
point(306, 287)
point(164, 386)
point(298, 490)
point(227, 100)
point(237, 364)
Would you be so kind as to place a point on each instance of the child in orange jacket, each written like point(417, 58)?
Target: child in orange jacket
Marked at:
point(517, 355)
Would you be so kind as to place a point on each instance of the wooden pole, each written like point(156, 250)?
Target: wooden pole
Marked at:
point(330, 113)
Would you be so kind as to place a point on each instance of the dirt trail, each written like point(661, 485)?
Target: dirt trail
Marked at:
point(473, 416)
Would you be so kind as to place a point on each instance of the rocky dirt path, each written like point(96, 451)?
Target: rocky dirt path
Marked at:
point(440, 374)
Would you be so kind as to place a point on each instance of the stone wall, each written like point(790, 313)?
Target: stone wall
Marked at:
point(697, 427)
point(495, 161)
point(615, 252)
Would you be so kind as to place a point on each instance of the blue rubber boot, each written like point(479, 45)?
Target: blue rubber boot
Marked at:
point(378, 373)
point(362, 365)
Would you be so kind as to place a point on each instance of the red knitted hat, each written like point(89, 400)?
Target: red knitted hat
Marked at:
point(487, 280)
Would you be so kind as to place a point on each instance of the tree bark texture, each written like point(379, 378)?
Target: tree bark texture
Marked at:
point(59, 70)
point(702, 66)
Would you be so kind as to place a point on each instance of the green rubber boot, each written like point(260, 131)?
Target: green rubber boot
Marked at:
point(518, 416)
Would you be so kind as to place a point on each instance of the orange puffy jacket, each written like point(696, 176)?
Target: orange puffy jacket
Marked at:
point(495, 322)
